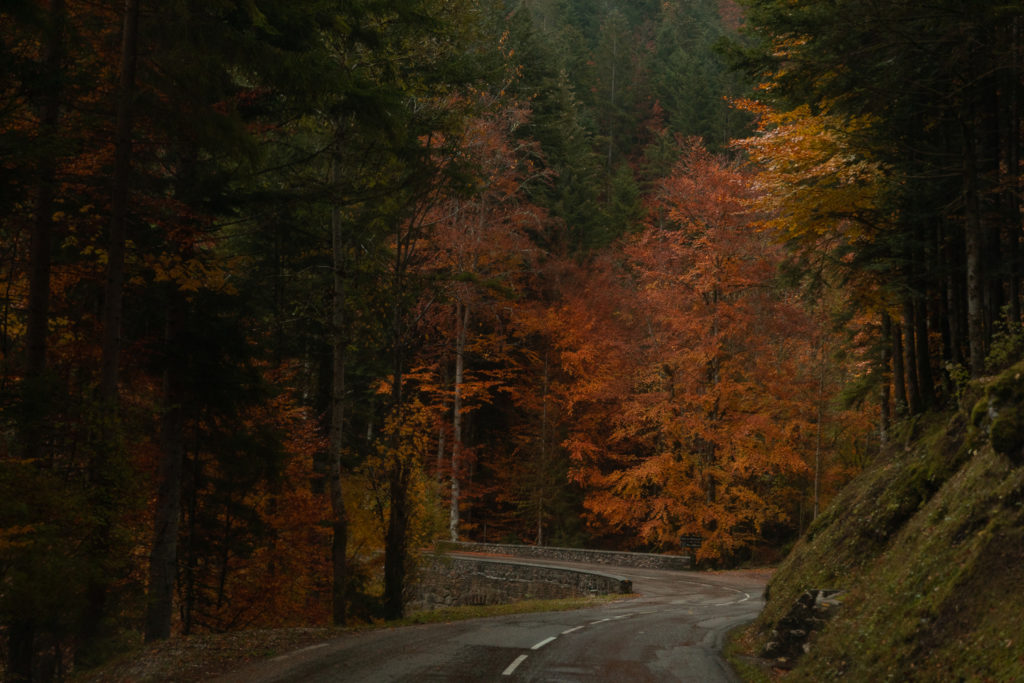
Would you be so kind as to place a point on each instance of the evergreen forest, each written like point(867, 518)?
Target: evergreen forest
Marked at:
point(292, 289)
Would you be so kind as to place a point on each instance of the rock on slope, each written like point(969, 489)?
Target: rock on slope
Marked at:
point(927, 547)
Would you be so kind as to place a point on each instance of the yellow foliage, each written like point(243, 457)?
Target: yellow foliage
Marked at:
point(18, 536)
point(812, 179)
point(192, 274)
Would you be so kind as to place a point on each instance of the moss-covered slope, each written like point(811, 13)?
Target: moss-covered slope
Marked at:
point(928, 547)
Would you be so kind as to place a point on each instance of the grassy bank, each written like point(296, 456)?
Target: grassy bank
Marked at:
point(927, 546)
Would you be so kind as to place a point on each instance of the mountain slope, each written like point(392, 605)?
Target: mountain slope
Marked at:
point(927, 547)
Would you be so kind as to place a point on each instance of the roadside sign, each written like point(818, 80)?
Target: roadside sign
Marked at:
point(691, 541)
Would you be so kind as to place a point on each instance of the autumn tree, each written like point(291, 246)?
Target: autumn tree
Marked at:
point(940, 85)
point(713, 406)
point(481, 247)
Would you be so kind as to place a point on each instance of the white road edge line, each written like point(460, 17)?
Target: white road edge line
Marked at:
point(510, 669)
point(543, 643)
point(600, 621)
point(568, 631)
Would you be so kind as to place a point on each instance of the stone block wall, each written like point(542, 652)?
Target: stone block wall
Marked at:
point(608, 557)
point(447, 581)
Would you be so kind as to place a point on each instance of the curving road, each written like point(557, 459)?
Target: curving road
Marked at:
point(672, 632)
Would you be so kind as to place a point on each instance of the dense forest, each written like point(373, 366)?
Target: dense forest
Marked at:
point(290, 289)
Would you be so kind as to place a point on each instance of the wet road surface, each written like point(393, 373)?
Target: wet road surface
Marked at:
point(673, 631)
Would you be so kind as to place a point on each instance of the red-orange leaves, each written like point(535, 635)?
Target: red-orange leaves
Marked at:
point(701, 442)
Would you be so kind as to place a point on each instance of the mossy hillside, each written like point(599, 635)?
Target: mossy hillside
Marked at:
point(865, 516)
point(929, 546)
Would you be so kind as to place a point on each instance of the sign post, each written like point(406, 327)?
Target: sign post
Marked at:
point(691, 542)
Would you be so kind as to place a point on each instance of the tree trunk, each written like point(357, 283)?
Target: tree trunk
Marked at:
point(540, 516)
point(114, 288)
point(898, 375)
point(994, 252)
point(818, 432)
point(163, 556)
point(611, 107)
point(106, 449)
point(339, 516)
point(462, 320)
point(953, 318)
point(191, 560)
point(20, 650)
point(543, 465)
point(910, 358)
point(926, 383)
point(40, 247)
point(1011, 195)
point(396, 541)
point(442, 447)
point(974, 248)
point(885, 425)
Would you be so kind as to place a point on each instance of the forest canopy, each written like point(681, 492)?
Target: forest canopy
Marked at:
point(291, 289)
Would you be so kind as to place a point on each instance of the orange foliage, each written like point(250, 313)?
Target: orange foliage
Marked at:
point(281, 579)
point(695, 395)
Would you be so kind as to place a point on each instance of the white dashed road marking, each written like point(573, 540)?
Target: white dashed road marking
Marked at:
point(512, 667)
point(543, 643)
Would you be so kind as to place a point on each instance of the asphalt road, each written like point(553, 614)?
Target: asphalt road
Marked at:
point(672, 632)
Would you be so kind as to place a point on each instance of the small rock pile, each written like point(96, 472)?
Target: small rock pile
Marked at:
point(791, 637)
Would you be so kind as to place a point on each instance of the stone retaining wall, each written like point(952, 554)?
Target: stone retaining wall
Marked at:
point(446, 581)
point(609, 557)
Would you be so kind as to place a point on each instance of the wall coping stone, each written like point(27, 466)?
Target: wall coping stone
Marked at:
point(547, 567)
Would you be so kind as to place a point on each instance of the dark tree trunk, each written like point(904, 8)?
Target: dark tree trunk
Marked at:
point(396, 542)
point(910, 358)
point(339, 516)
point(926, 382)
point(41, 243)
point(974, 237)
point(190, 503)
point(954, 318)
point(20, 650)
point(989, 179)
point(113, 291)
point(163, 556)
point(1011, 148)
point(885, 425)
point(396, 539)
point(898, 374)
point(104, 452)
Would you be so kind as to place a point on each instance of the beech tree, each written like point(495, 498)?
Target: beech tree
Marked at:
point(713, 410)
point(482, 248)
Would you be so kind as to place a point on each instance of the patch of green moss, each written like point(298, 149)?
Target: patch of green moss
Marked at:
point(979, 412)
point(1001, 411)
